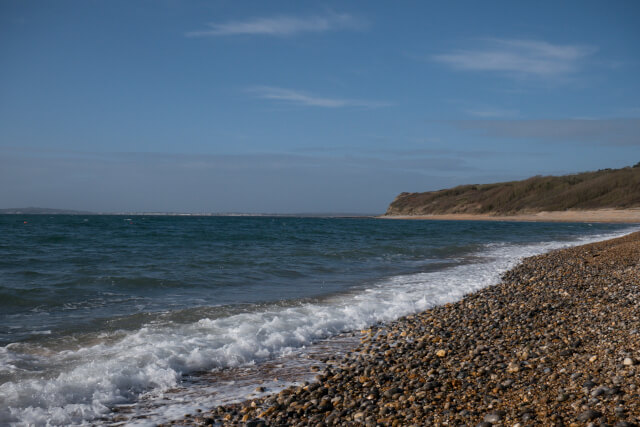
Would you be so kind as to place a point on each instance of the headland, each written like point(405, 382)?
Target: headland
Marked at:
point(606, 195)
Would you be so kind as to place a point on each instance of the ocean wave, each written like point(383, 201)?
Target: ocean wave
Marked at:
point(85, 382)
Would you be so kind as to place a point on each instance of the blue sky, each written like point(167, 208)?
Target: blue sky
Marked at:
point(229, 106)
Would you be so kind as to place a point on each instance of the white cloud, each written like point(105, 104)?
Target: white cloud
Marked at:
point(280, 26)
point(520, 57)
point(306, 99)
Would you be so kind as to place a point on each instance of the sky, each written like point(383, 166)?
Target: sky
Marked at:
point(299, 107)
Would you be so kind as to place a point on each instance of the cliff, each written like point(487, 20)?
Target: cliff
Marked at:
point(603, 189)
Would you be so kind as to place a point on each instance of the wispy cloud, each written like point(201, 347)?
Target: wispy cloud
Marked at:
point(519, 57)
point(616, 132)
point(303, 98)
point(629, 112)
point(492, 113)
point(280, 26)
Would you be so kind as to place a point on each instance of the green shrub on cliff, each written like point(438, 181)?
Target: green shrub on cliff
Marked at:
point(606, 188)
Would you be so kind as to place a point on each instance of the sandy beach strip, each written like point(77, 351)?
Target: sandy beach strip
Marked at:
point(599, 215)
point(557, 342)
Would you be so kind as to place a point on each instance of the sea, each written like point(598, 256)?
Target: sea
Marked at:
point(117, 320)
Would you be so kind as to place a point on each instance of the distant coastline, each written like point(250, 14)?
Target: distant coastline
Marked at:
point(43, 211)
point(50, 211)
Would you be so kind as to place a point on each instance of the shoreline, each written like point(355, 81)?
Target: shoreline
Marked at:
point(556, 342)
point(629, 216)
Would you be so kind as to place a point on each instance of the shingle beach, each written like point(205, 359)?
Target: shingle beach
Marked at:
point(557, 342)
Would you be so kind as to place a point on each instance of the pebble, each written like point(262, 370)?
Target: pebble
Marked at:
point(513, 367)
point(493, 418)
point(589, 415)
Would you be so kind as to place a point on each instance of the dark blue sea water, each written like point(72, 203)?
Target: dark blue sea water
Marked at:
point(98, 310)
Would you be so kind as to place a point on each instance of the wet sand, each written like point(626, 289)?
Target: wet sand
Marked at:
point(557, 342)
point(600, 215)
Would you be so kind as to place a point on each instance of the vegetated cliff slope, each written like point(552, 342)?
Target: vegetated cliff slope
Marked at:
point(606, 188)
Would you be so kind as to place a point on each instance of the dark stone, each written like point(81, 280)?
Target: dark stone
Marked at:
point(392, 391)
point(620, 411)
point(599, 391)
point(589, 415)
point(613, 391)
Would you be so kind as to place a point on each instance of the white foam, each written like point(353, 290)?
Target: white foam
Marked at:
point(94, 377)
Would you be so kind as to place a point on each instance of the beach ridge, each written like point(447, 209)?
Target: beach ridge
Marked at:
point(555, 343)
point(631, 215)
